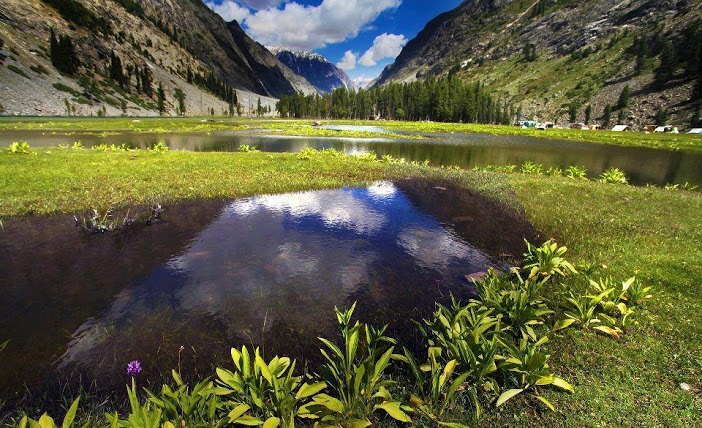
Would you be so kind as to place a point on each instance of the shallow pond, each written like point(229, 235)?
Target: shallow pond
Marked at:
point(264, 271)
point(642, 165)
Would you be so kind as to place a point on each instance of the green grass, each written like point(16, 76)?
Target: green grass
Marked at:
point(653, 233)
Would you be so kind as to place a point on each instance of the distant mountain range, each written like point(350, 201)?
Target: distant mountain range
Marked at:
point(552, 56)
point(319, 71)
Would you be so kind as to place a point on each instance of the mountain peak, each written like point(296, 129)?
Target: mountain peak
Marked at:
point(318, 70)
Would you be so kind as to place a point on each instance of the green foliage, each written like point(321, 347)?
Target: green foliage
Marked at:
point(530, 167)
point(576, 173)
point(63, 54)
point(199, 408)
point(18, 148)
point(532, 371)
point(516, 301)
point(74, 11)
point(624, 96)
point(17, 70)
point(65, 88)
point(438, 390)
point(445, 100)
point(245, 148)
point(46, 421)
point(496, 168)
point(159, 147)
point(39, 69)
point(468, 334)
point(546, 261)
point(270, 390)
point(661, 116)
point(356, 374)
point(146, 415)
point(554, 171)
point(613, 176)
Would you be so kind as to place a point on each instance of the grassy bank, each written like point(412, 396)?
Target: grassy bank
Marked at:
point(653, 233)
point(303, 128)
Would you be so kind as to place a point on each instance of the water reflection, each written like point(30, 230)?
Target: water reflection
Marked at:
point(266, 271)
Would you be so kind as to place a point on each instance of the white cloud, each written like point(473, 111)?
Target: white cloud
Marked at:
point(261, 4)
point(311, 27)
point(384, 46)
point(229, 10)
point(348, 62)
point(361, 82)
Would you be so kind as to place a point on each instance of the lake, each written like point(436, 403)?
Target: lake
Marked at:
point(262, 271)
point(642, 165)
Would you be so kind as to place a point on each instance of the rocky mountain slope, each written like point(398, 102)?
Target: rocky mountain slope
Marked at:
point(553, 56)
point(319, 71)
point(180, 44)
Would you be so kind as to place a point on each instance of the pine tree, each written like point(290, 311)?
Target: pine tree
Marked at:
point(161, 99)
point(180, 96)
point(624, 98)
point(572, 113)
point(607, 116)
point(664, 72)
point(588, 114)
point(63, 55)
point(620, 117)
point(661, 116)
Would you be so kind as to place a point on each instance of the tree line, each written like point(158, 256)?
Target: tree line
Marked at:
point(445, 100)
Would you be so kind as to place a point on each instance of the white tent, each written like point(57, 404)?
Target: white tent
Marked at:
point(620, 128)
point(695, 131)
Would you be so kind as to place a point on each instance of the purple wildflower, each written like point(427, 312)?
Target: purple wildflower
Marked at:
point(134, 368)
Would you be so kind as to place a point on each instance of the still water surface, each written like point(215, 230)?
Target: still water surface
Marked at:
point(642, 165)
point(264, 271)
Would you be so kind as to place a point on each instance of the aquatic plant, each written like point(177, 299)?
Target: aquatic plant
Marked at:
point(19, 147)
point(613, 176)
point(495, 168)
point(201, 407)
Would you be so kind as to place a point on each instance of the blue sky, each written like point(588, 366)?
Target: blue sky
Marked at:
point(360, 36)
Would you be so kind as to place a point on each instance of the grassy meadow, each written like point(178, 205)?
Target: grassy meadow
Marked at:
point(650, 376)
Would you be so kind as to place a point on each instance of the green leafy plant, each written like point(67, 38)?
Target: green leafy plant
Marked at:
point(46, 421)
point(613, 176)
point(530, 366)
point(199, 408)
point(546, 261)
point(554, 171)
point(437, 386)
point(270, 390)
point(634, 292)
point(159, 147)
point(146, 415)
point(356, 374)
point(584, 310)
point(530, 167)
point(517, 301)
point(19, 148)
point(468, 334)
point(576, 173)
point(245, 148)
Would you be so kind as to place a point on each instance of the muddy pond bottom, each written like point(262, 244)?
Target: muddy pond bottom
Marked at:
point(264, 271)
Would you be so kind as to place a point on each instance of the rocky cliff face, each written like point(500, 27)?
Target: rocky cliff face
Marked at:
point(319, 71)
point(547, 55)
point(182, 43)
